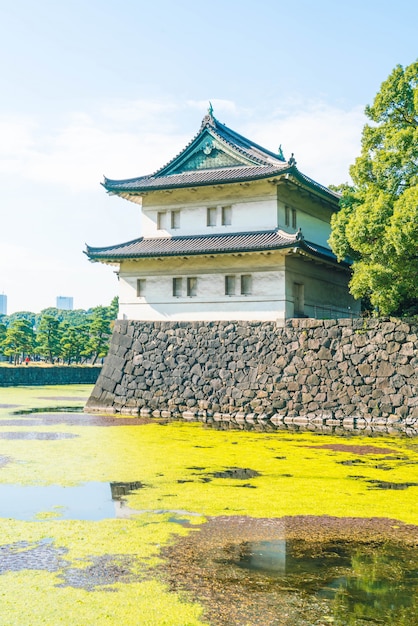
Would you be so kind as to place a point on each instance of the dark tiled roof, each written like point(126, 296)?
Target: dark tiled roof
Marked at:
point(195, 178)
point(248, 149)
point(194, 244)
point(321, 252)
point(207, 244)
point(248, 161)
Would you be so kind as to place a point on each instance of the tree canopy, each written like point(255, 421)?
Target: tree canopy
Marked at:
point(19, 339)
point(54, 335)
point(377, 225)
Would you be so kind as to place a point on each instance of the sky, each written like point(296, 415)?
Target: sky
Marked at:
point(116, 88)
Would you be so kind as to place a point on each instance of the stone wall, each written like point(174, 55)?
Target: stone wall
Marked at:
point(57, 375)
point(314, 372)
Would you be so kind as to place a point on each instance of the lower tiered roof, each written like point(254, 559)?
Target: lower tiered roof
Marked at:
point(194, 245)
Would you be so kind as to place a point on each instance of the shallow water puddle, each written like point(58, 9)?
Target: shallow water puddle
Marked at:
point(88, 501)
point(372, 581)
point(345, 572)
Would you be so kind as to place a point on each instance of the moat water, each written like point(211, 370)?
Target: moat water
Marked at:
point(338, 580)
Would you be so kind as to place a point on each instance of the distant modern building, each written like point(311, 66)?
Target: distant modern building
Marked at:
point(231, 231)
point(65, 303)
point(3, 304)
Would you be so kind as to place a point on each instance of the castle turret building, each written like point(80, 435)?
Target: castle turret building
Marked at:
point(231, 231)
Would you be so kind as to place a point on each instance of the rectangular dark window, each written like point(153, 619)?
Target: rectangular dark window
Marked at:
point(177, 287)
point(298, 299)
point(294, 218)
point(226, 216)
point(175, 219)
point(161, 220)
point(229, 285)
point(286, 216)
point(211, 216)
point(246, 284)
point(140, 287)
point(191, 286)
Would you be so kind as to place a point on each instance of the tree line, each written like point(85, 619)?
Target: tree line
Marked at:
point(58, 336)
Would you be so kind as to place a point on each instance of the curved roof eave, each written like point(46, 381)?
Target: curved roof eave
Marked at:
point(152, 183)
point(180, 181)
point(256, 163)
point(235, 243)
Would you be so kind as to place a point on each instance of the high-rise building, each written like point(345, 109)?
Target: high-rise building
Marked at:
point(65, 303)
point(3, 304)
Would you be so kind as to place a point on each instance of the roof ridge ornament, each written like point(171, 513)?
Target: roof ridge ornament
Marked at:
point(292, 160)
point(208, 120)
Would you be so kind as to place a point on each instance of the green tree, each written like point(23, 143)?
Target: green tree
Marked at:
point(74, 317)
point(377, 225)
point(74, 342)
point(100, 331)
point(113, 309)
point(21, 315)
point(3, 329)
point(49, 337)
point(19, 340)
point(77, 335)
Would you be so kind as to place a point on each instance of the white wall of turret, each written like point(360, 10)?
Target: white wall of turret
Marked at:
point(247, 286)
point(208, 212)
point(242, 287)
point(268, 286)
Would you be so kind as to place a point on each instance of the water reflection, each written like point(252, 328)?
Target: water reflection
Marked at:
point(119, 492)
point(299, 571)
point(373, 582)
point(88, 501)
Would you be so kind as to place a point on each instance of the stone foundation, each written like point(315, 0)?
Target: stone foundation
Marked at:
point(309, 373)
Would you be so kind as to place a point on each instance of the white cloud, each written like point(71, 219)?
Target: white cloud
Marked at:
point(14, 257)
point(133, 138)
point(143, 112)
point(324, 139)
point(16, 143)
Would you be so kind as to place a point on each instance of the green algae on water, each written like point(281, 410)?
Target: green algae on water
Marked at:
point(184, 475)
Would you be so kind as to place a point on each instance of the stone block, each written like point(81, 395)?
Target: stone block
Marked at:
point(189, 415)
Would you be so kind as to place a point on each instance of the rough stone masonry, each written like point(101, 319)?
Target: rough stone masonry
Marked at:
point(313, 372)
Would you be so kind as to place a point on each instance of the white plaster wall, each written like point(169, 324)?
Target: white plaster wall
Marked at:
point(247, 215)
point(191, 312)
point(315, 228)
point(266, 301)
point(211, 263)
point(324, 288)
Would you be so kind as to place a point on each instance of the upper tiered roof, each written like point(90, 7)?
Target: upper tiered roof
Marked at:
point(218, 155)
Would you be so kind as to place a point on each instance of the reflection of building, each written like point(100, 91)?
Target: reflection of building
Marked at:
point(65, 303)
point(266, 556)
point(3, 304)
point(119, 491)
point(231, 231)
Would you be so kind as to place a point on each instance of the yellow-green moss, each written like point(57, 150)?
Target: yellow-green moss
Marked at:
point(38, 397)
point(296, 475)
point(34, 597)
point(175, 464)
